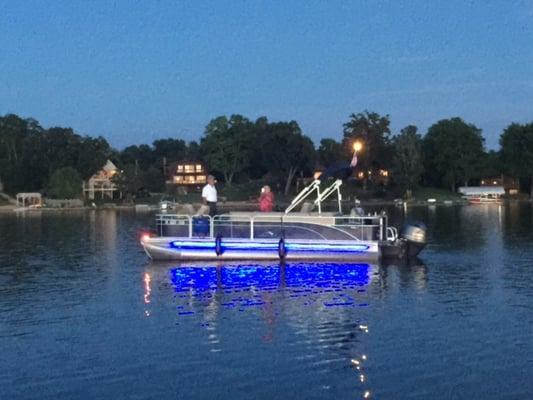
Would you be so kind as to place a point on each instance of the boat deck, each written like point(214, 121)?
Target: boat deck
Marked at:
point(268, 236)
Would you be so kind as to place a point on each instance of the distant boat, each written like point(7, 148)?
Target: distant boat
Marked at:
point(482, 194)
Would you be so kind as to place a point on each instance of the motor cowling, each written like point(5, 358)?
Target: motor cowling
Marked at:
point(415, 234)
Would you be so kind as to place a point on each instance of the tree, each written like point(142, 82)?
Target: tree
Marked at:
point(65, 183)
point(153, 180)
point(516, 144)
point(169, 150)
point(287, 151)
point(491, 165)
point(408, 165)
point(453, 152)
point(92, 154)
point(373, 131)
point(21, 154)
point(61, 148)
point(142, 155)
point(330, 151)
point(129, 181)
point(193, 151)
point(226, 145)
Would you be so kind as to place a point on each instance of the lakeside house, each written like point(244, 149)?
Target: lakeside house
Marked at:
point(101, 184)
point(379, 176)
point(186, 176)
point(510, 185)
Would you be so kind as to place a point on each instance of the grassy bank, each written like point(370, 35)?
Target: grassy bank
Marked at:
point(435, 193)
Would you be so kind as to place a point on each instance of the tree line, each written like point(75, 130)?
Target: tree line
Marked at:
point(237, 150)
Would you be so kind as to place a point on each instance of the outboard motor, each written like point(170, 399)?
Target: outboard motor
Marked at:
point(415, 234)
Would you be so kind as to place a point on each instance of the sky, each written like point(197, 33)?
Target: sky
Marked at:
point(135, 71)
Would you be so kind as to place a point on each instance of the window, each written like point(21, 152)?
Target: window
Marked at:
point(198, 168)
point(178, 179)
point(180, 168)
point(189, 169)
point(200, 178)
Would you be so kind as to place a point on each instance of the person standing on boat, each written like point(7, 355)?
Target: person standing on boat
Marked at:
point(266, 199)
point(209, 195)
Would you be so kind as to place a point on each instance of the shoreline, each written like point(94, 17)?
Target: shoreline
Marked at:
point(247, 206)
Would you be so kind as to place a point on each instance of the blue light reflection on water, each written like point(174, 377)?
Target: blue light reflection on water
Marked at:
point(268, 276)
point(333, 292)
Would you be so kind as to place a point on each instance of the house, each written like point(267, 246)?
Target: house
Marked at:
point(379, 176)
point(186, 175)
point(101, 184)
point(510, 185)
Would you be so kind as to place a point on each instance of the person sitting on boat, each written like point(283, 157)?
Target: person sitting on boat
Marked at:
point(209, 195)
point(266, 199)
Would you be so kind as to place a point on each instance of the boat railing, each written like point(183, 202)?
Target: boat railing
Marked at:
point(245, 226)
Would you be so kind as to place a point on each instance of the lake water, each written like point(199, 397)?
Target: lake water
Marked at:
point(84, 315)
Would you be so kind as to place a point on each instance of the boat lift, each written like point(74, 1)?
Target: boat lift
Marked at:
point(320, 196)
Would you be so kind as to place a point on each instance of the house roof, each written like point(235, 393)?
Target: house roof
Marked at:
point(109, 166)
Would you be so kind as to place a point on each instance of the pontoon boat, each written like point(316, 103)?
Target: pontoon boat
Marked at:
point(316, 236)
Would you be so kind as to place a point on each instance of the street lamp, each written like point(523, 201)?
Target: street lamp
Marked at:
point(357, 146)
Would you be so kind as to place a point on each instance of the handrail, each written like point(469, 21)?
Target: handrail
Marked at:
point(347, 225)
point(392, 233)
point(326, 193)
point(306, 191)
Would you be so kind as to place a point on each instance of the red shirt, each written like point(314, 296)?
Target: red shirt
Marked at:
point(266, 202)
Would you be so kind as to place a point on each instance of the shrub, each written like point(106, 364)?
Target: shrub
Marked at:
point(65, 183)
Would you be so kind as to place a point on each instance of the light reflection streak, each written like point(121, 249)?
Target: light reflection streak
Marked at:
point(147, 289)
point(358, 363)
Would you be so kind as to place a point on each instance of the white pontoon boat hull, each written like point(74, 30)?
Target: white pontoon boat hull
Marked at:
point(205, 249)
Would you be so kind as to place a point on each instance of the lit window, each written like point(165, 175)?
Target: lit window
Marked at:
point(198, 168)
point(190, 179)
point(180, 168)
point(178, 179)
point(189, 168)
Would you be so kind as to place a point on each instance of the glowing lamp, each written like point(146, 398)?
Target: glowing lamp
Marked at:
point(357, 146)
point(145, 237)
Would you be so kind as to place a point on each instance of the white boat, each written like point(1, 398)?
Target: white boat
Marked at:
point(316, 236)
point(482, 194)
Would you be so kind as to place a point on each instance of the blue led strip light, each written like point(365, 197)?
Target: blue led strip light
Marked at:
point(191, 245)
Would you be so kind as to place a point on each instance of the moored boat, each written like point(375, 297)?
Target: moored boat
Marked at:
point(482, 194)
